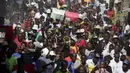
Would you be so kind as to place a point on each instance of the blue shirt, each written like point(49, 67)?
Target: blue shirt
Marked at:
point(71, 67)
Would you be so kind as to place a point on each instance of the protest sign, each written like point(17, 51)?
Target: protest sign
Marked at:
point(57, 14)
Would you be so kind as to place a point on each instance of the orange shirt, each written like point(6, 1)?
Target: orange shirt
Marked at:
point(73, 48)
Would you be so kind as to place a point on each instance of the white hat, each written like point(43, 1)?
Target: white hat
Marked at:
point(35, 27)
point(37, 15)
point(80, 31)
point(19, 26)
point(115, 36)
point(100, 39)
point(52, 53)
point(33, 3)
point(44, 52)
point(48, 11)
point(98, 27)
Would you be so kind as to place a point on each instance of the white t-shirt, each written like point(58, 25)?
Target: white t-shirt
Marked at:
point(116, 67)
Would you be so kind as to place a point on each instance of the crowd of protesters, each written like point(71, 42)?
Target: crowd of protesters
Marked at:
point(41, 44)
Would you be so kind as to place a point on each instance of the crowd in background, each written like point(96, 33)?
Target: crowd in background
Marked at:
point(95, 43)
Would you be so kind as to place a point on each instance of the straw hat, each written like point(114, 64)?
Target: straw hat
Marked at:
point(98, 27)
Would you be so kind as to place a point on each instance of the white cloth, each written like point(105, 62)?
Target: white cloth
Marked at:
point(106, 50)
point(127, 27)
point(103, 8)
point(107, 46)
point(108, 1)
point(37, 15)
point(45, 16)
point(35, 4)
point(124, 51)
point(87, 52)
point(73, 36)
point(97, 2)
point(116, 67)
point(58, 25)
point(38, 44)
point(44, 52)
point(90, 62)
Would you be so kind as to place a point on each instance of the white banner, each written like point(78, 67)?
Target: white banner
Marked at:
point(57, 14)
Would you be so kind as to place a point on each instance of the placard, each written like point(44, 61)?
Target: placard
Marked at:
point(71, 15)
point(57, 14)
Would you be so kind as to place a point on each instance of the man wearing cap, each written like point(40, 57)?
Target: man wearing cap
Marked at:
point(126, 67)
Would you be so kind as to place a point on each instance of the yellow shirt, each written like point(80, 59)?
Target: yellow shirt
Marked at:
point(73, 48)
point(90, 65)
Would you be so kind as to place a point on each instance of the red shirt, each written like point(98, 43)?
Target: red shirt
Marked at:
point(114, 28)
point(18, 43)
point(81, 43)
point(110, 13)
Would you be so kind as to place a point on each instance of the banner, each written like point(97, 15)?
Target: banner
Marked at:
point(57, 14)
point(71, 15)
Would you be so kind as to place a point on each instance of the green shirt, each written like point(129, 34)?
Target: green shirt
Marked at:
point(11, 62)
